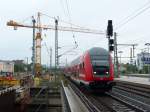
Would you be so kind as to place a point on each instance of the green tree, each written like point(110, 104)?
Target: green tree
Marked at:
point(21, 67)
point(131, 68)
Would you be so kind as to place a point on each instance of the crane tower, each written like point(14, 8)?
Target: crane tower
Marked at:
point(38, 40)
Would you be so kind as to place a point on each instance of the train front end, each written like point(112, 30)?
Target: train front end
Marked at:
point(102, 74)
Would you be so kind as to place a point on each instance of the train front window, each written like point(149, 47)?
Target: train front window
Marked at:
point(99, 57)
point(101, 70)
point(100, 65)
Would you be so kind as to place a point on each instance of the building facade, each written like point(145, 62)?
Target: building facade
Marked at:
point(6, 67)
point(143, 59)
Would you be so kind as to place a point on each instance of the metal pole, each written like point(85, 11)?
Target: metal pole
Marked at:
point(130, 55)
point(56, 44)
point(114, 51)
point(120, 63)
point(133, 56)
point(33, 48)
point(133, 50)
point(50, 58)
point(116, 54)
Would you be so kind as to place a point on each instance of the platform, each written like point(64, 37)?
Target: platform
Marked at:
point(131, 79)
point(75, 104)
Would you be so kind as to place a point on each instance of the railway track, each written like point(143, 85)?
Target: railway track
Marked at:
point(128, 99)
point(136, 95)
point(137, 88)
point(108, 102)
point(89, 105)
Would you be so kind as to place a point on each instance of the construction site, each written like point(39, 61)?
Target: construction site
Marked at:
point(35, 91)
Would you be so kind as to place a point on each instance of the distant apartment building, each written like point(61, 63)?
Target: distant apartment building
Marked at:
point(6, 67)
point(143, 59)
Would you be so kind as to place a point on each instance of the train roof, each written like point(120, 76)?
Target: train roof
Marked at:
point(93, 51)
point(98, 51)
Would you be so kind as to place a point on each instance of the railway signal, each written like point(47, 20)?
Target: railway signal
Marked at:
point(110, 28)
point(111, 44)
point(109, 35)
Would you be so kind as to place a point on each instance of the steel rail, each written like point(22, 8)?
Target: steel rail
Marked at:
point(84, 99)
point(134, 91)
point(124, 104)
point(137, 105)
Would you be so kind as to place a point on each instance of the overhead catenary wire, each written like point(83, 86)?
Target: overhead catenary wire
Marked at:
point(133, 15)
point(70, 23)
point(66, 22)
point(134, 12)
point(27, 18)
point(63, 7)
point(70, 20)
point(68, 11)
point(139, 39)
point(47, 48)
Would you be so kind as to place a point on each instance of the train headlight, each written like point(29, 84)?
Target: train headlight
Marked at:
point(94, 72)
point(106, 72)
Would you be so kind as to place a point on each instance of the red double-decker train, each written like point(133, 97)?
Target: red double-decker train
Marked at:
point(93, 69)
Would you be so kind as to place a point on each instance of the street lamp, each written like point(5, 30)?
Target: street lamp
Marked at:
point(148, 45)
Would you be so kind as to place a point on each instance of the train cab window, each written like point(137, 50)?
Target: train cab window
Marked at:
point(99, 57)
point(101, 70)
point(100, 65)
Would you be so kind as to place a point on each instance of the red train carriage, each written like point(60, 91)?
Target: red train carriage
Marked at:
point(93, 69)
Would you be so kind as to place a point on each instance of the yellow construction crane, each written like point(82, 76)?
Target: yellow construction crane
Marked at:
point(38, 38)
point(60, 28)
point(36, 43)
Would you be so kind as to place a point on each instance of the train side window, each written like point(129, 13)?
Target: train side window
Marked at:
point(83, 64)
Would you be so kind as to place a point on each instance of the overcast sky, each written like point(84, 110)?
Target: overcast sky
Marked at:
point(94, 14)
